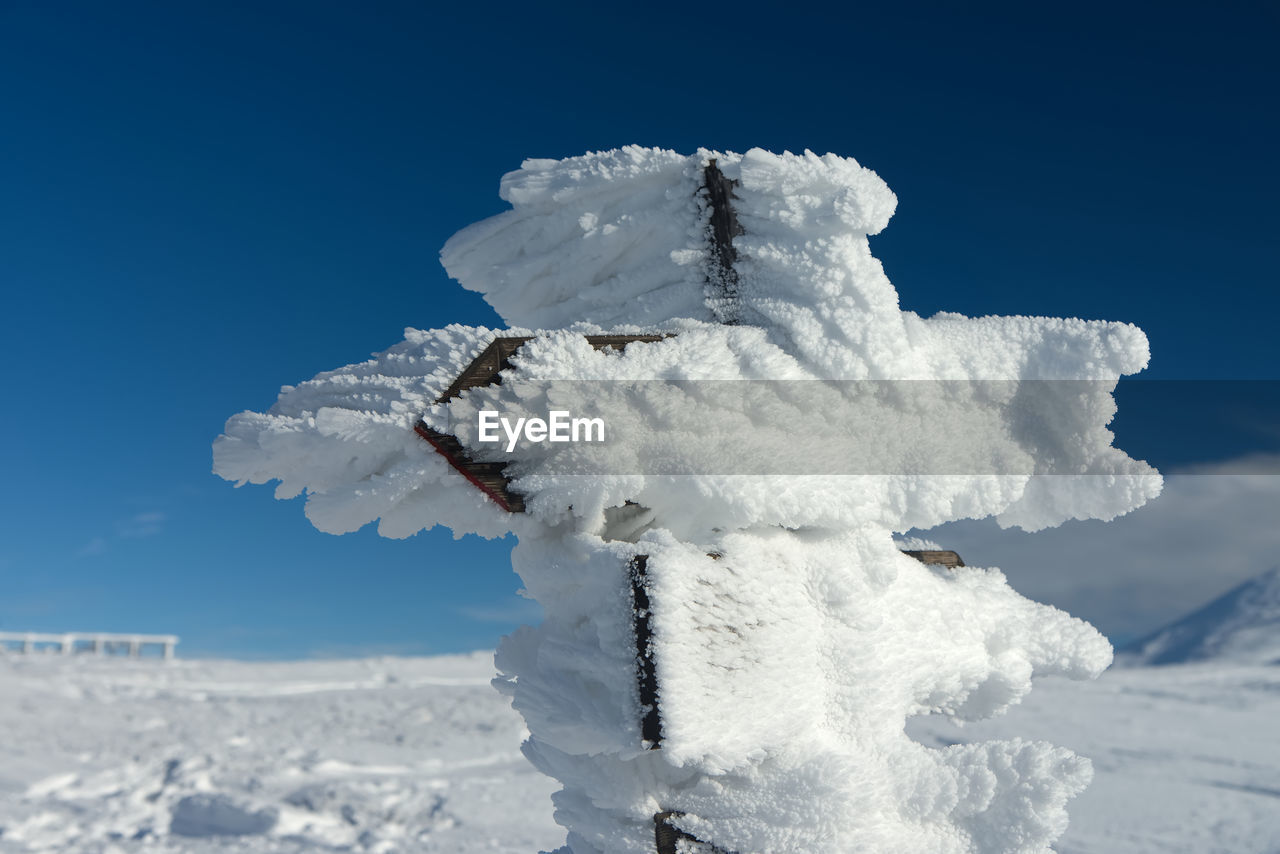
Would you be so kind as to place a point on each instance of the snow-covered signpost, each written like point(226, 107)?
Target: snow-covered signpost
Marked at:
point(708, 423)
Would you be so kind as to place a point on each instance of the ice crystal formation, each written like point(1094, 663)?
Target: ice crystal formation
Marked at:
point(789, 637)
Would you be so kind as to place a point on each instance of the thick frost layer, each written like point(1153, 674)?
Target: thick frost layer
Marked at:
point(786, 666)
point(346, 439)
point(611, 238)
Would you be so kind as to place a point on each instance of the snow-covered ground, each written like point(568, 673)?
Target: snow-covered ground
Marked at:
point(411, 755)
point(421, 755)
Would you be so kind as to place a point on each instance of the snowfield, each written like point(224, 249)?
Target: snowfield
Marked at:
point(422, 755)
point(374, 755)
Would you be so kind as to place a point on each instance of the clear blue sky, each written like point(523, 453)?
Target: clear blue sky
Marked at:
point(200, 202)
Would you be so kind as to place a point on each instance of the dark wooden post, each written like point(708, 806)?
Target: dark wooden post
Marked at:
point(722, 278)
point(646, 672)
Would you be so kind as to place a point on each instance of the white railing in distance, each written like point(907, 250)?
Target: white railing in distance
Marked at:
point(98, 643)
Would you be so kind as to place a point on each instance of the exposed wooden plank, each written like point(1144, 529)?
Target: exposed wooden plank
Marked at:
point(486, 369)
point(939, 557)
point(646, 671)
point(722, 277)
point(487, 477)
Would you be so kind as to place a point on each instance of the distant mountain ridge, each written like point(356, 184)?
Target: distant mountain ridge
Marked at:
point(1242, 626)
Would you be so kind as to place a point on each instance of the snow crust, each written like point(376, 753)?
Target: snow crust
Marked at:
point(420, 754)
point(374, 755)
point(403, 754)
point(788, 665)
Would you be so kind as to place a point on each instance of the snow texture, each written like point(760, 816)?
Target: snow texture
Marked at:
point(420, 755)
point(1242, 626)
point(380, 755)
point(789, 664)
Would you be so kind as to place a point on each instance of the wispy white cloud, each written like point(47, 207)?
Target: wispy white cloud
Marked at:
point(96, 546)
point(141, 525)
point(510, 611)
point(1260, 464)
point(1212, 528)
point(137, 526)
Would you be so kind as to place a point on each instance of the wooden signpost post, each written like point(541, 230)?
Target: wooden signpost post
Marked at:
point(491, 479)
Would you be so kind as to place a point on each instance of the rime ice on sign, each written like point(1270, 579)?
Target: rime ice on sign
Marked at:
point(785, 665)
